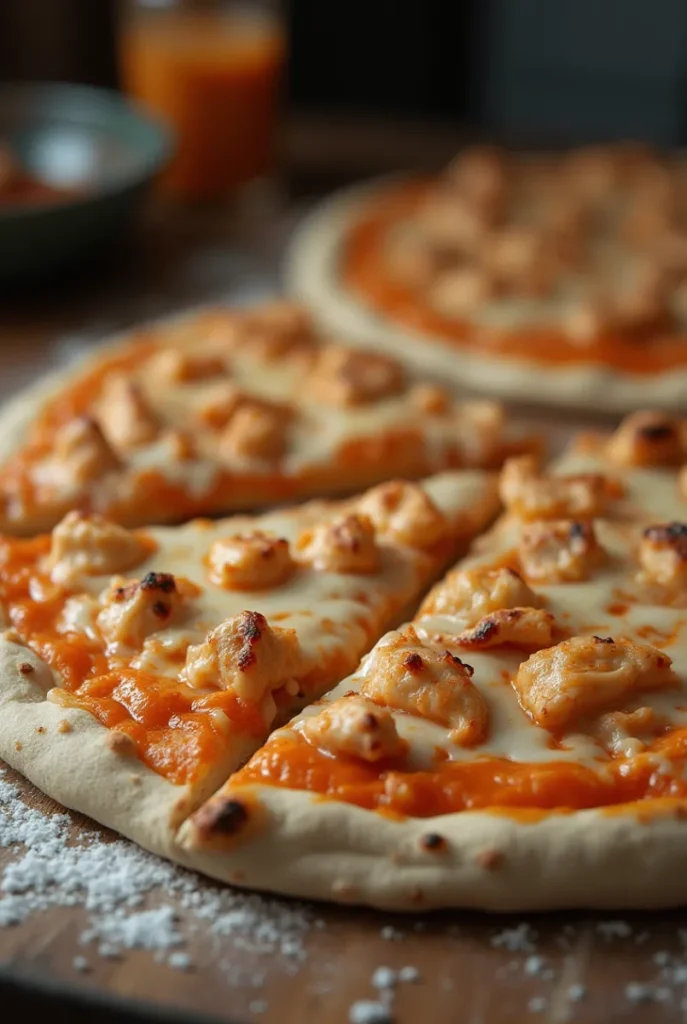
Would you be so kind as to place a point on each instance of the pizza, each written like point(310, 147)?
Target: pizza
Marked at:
point(139, 668)
point(227, 410)
point(525, 275)
point(522, 742)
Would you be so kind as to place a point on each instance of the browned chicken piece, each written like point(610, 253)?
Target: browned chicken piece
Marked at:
point(246, 655)
point(125, 415)
point(527, 628)
point(354, 727)
point(474, 593)
point(347, 377)
point(250, 561)
point(648, 439)
point(347, 545)
point(530, 495)
point(586, 675)
point(133, 609)
point(257, 432)
point(559, 550)
point(90, 545)
point(402, 512)
point(461, 291)
point(402, 673)
point(663, 555)
point(481, 174)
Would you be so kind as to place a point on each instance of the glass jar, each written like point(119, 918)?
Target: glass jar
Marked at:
point(213, 70)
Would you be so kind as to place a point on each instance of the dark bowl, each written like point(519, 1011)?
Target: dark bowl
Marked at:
point(81, 138)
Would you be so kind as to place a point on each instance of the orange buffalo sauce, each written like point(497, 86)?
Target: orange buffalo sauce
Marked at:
point(215, 77)
point(365, 271)
point(486, 783)
point(171, 724)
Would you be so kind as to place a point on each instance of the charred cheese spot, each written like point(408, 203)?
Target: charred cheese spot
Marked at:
point(247, 655)
point(92, 546)
point(402, 673)
point(519, 627)
point(26, 668)
point(354, 727)
point(126, 417)
point(586, 675)
point(663, 555)
point(250, 561)
point(348, 377)
point(474, 593)
point(559, 550)
point(529, 495)
point(347, 545)
point(648, 439)
point(402, 512)
point(134, 609)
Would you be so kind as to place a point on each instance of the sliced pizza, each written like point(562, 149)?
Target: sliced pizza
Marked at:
point(228, 410)
point(139, 668)
point(522, 744)
point(527, 275)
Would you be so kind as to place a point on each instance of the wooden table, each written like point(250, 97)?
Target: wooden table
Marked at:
point(577, 968)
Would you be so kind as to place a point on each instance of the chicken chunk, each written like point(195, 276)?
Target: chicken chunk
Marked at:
point(275, 330)
point(246, 655)
point(178, 367)
point(481, 174)
point(458, 292)
point(125, 415)
point(255, 432)
point(529, 628)
point(81, 454)
point(347, 545)
point(586, 675)
point(519, 260)
point(530, 495)
point(590, 318)
point(347, 377)
point(430, 398)
point(663, 555)
point(354, 727)
point(91, 546)
point(403, 512)
point(449, 223)
point(250, 561)
point(648, 439)
point(134, 609)
point(474, 593)
point(402, 673)
point(624, 733)
point(559, 550)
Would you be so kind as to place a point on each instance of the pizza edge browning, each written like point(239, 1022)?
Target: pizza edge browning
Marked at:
point(471, 859)
point(311, 275)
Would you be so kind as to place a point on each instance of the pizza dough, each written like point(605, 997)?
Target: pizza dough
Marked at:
point(520, 745)
point(139, 669)
point(456, 323)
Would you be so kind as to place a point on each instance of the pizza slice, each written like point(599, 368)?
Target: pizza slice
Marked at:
point(139, 668)
point(228, 410)
point(522, 744)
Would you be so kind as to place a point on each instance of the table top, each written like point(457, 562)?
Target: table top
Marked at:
point(85, 911)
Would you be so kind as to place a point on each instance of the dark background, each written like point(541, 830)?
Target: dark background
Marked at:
point(521, 70)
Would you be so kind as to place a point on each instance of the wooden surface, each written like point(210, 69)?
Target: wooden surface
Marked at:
point(463, 976)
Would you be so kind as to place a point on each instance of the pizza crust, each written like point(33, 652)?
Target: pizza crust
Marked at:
point(311, 275)
point(339, 852)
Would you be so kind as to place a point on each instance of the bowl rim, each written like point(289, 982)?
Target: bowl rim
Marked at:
point(162, 137)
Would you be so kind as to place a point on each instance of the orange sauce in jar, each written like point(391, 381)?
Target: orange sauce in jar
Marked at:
point(215, 77)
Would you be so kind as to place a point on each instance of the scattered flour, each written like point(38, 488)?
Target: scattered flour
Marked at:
point(521, 939)
point(365, 1011)
point(132, 899)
